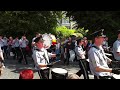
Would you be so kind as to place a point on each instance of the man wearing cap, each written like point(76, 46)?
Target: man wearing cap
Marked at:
point(116, 48)
point(41, 58)
point(98, 61)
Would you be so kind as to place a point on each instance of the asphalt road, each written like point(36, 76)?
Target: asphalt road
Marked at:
point(13, 68)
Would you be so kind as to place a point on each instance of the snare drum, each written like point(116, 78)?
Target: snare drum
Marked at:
point(59, 73)
point(116, 76)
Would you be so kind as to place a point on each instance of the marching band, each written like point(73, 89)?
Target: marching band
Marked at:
point(92, 56)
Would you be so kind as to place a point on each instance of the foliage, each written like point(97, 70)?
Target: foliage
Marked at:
point(63, 32)
point(78, 35)
point(82, 31)
point(17, 23)
point(96, 20)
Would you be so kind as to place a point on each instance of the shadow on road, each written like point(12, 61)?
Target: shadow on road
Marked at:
point(17, 67)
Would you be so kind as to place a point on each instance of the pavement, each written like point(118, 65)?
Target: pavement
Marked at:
point(13, 68)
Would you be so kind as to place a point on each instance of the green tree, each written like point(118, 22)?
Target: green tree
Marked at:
point(62, 32)
point(17, 23)
point(96, 20)
point(82, 31)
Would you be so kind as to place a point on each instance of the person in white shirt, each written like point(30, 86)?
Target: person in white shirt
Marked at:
point(10, 46)
point(23, 44)
point(1, 61)
point(1, 42)
point(57, 50)
point(5, 47)
point(16, 48)
point(41, 58)
point(116, 48)
point(80, 53)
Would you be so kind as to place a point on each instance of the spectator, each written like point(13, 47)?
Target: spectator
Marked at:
point(116, 48)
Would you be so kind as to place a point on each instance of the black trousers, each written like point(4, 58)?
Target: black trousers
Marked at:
point(44, 73)
point(23, 55)
point(5, 51)
point(16, 52)
point(83, 64)
point(67, 58)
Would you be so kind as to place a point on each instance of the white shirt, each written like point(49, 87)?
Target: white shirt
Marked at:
point(5, 42)
point(116, 48)
point(1, 53)
point(23, 43)
point(97, 58)
point(80, 52)
point(1, 42)
point(41, 58)
point(16, 43)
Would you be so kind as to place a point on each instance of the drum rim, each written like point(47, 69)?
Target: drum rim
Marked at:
point(59, 74)
point(65, 71)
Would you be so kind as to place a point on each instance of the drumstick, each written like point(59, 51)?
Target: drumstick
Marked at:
point(108, 54)
point(56, 61)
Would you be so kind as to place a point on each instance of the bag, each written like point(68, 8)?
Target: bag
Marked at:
point(11, 54)
point(72, 55)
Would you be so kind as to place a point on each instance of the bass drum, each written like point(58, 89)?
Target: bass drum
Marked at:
point(54, 41)
point(47, 40)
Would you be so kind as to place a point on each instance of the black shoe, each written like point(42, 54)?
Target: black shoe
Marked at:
point(19, 62)
point(67, 64)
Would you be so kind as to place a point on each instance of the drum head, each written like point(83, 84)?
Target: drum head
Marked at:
point(47, 41)
point(59, 70)
point(116, 76)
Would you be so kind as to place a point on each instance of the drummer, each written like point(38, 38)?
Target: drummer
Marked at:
point(80, 53)
point(98, 61)
point(41, 58)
